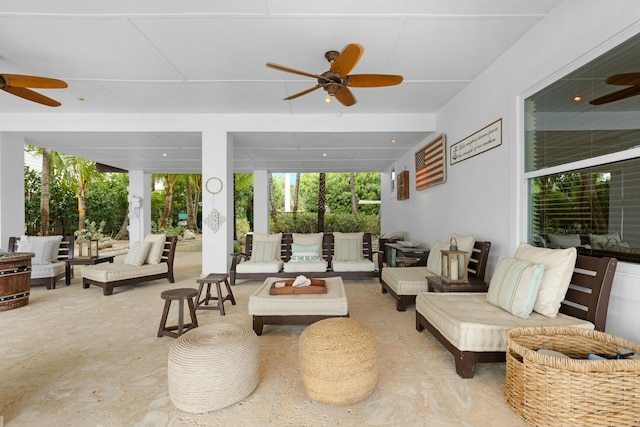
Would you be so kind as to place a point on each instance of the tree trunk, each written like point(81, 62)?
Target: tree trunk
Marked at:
point(82, 204)
point(191, 217)
point(45, 192)
point(354, 199)
point(296, 191)
point(123, 234)
point(272, 198)
point(168, 200)
point(322, 190)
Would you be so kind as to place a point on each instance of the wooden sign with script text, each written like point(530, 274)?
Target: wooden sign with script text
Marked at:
point(485, 139)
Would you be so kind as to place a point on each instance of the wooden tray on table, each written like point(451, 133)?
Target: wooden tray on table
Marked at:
point(317, 286)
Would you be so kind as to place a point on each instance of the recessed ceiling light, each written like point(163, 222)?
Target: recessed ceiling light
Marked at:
point(164, 154)
point(577, 98)
point(324, 154)
point(327, 99)
point(81, 99)
point(393, 141)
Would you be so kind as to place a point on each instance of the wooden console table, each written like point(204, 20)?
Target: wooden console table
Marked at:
point(394, 250)
point(436, 284)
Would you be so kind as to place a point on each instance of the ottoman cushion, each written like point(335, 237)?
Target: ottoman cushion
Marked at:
point(212, 367)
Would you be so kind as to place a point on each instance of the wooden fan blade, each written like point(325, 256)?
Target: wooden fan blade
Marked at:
point(627, 79)
point(304, 92)
point(18, 80)
point(292, 70)
point(31, 96)
point(372, 80)
point(616, 96)
point(347, 59)
point(345, 97)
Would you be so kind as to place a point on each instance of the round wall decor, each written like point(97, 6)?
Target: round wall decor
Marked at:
point(214, 185)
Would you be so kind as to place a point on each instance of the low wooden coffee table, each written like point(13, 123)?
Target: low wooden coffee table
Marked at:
point(69, 263)
point(297, 309)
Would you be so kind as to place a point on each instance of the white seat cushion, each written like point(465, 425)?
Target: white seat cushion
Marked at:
point(108, 272)
point(345, 266)
point(38, 271)
point(471, 323)
point(305, 266)
point(333, 303)
point(260, 266)
point(406, 280)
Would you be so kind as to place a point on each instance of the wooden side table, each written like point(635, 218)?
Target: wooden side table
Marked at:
point(70, 262)
point(405, 261)
point(179, 295)
point(214, 278)
point(437, 284)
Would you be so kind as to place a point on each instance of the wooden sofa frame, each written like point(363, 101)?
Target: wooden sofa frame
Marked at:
point(285, 254)
point(65, 252)
point(168, 256)
point(586, 299)
point(477, 268)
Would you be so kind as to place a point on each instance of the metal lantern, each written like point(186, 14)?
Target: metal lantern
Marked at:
point(451, 260)
point(87, 248)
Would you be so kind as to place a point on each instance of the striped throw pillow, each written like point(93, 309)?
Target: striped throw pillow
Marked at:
point(347, 246)
point(137, 253)
point(264, 251)
point(514, 286)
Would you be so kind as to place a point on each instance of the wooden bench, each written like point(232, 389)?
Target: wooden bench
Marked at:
point(135, 274)
point(586, 300)
point(285, 254)
point(477, 267)
point(49, 274)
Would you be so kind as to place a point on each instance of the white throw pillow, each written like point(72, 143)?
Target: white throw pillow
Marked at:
point(157, 247)
point(558, 269)
point(264, 251)
point(137, 253)
point(308, 238)
point(306, 252)
point(42, 249)
point(434, 260)
point(272, 237)
point(54, 248)
point(347, 246)
point(514, 286)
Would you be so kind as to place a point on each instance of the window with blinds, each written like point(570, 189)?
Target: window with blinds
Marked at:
point(582, 159)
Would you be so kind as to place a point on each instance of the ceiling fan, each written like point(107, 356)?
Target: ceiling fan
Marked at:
point(337, 80)
point(627, 79)
point(17, 84)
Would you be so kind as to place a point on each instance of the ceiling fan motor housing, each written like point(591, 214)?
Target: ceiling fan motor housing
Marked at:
point(331, 82)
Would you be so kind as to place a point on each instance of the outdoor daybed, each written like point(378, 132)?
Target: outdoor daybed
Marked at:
point(570, 292)
point(404, 283)
point(349, 255)
point(47, 266)
point(149, 260)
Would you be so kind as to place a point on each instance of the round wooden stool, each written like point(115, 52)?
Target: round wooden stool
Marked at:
point(216, 279)
point(180, 295)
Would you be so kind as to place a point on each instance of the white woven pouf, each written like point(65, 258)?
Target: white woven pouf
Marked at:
point(338, 361)
point(212, 367)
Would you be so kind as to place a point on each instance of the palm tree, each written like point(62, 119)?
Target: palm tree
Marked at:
point(51, 161)
point(81, 173)
point(322, 193)
point(354, 199)
point(272, 198)
point(296, 191)
point(170, 181)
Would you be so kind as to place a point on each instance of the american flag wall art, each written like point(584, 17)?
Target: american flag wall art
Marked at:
point(431, 164)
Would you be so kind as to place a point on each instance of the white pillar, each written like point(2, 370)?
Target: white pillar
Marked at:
point(12, 184)
point(139, 205)
point(217, 201)
point(260, 201)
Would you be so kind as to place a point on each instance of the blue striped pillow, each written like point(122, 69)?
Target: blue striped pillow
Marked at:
point(305, 252)
point(264, 251)
point(514, 286)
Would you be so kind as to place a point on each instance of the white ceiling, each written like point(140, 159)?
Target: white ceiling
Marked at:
point(208, 57)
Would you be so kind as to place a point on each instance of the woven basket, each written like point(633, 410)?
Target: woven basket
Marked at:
point(548, 390)
point(213, 366)
point(338, 361)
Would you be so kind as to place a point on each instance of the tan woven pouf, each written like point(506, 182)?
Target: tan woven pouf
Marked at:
point(338, 361)
point(213, 366)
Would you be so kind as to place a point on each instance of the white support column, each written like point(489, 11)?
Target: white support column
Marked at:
point(217, 201)
point(260, 201)
point(139, 205)
point(12, 184)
